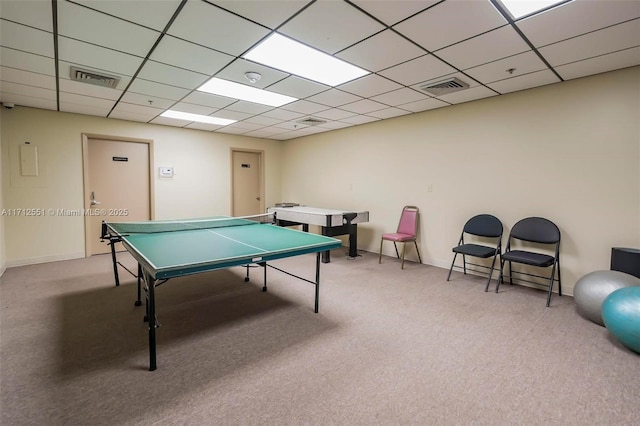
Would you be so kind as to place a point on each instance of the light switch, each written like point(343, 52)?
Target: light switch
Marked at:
point(166, 172)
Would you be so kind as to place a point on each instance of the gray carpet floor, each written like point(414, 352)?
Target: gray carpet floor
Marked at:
point(388, 347)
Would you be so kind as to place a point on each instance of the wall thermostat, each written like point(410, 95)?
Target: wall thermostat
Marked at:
point(166, 172)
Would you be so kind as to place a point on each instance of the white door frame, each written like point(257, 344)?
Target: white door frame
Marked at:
point(85, 176)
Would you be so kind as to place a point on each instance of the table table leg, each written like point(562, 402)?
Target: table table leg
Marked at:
point(151, 315)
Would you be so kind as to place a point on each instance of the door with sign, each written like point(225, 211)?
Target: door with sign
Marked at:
point(247, 190)
point(117, 186)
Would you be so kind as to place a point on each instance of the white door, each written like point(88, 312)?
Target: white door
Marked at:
point(247, 183)
point(117, 186)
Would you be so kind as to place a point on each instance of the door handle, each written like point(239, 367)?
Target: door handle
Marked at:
point(94, 202)
point(258, 198)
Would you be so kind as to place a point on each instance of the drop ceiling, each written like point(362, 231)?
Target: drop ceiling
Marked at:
point(163, 50)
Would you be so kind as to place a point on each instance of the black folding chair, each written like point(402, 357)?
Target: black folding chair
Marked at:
point(487, 227)
point(534, 230)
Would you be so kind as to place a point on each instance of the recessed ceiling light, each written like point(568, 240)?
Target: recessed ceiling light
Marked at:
point(217, 86)
point(196, 117)
point(520, 8)
point(288, 55)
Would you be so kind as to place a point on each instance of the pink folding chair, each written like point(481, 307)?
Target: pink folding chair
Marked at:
point(406, 233)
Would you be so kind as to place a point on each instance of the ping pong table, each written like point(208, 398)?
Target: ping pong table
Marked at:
point(166, 249)
point(332, 222)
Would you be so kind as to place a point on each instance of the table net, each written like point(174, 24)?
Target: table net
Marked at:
point(156, 226)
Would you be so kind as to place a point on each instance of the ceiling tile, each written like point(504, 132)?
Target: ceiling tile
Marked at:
point(421, 69)
point(618, 37)
point(167, 74)
point(92, 90)
point(146, 100)
point(22, 99)
point(212, 27)
point(89, 101)
point(138, 11)
point(138, 109)
point(522, 63)
point(364, 106)
point(232, 115)
point(612, 61)
point(207, 99)
point(334, 98)
point(485, 48)
point(393, 11)
point(193, 108)
point(83, 109)
point(97, 58)
point(331, 26)
point(282, 114)
point(145, 87)
point(389, 113)
point(131, 116)
point(26, 39)
point(383, 50)
point(270, 13)
point(470, 94)
point(81, 23)
point(576, 18)
point(335, 114)
point(169, 122)
point(424, 105)
point(298, 87)
point(28, 78)
point(203, 126)
point(261, 119)
point(449, 22)
point(8, 87)
point(360, 119)
point(183, 54)
point(370, 85)
point(305, 107)
point(26, 61)
point(249, 107)
point(236, 70)
point(527, 81)
point(37, 14)
point(400, 96)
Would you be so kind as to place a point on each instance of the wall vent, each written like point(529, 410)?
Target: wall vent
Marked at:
point(445, 87)
point(91, 77)
point(311, 121)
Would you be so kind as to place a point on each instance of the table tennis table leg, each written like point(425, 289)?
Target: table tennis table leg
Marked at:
point(151, 315)
point(112, 243)
point(139, 302)
point(317, 282)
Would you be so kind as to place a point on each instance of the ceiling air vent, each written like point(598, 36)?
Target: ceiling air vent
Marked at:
point(90, 77)
point(311, 121)
point(445, 87)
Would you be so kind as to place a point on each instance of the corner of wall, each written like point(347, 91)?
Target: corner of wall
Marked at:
point(3, 257)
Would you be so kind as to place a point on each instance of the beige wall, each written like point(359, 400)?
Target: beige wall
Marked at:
point(200, 187)
point(569, 152)
point(3, 256)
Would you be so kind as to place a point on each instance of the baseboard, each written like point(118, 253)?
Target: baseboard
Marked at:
point(2, 269)
point(44, 259)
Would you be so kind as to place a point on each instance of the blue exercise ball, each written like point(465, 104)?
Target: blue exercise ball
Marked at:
point(621, 315)
point(591, 290)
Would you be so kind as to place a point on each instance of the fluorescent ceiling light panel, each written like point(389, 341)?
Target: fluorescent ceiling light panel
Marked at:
point(288, 55)
point(520, 8)
point(196, 117)
point(217, 86)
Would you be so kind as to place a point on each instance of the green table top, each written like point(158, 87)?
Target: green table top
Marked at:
point(184, 252)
